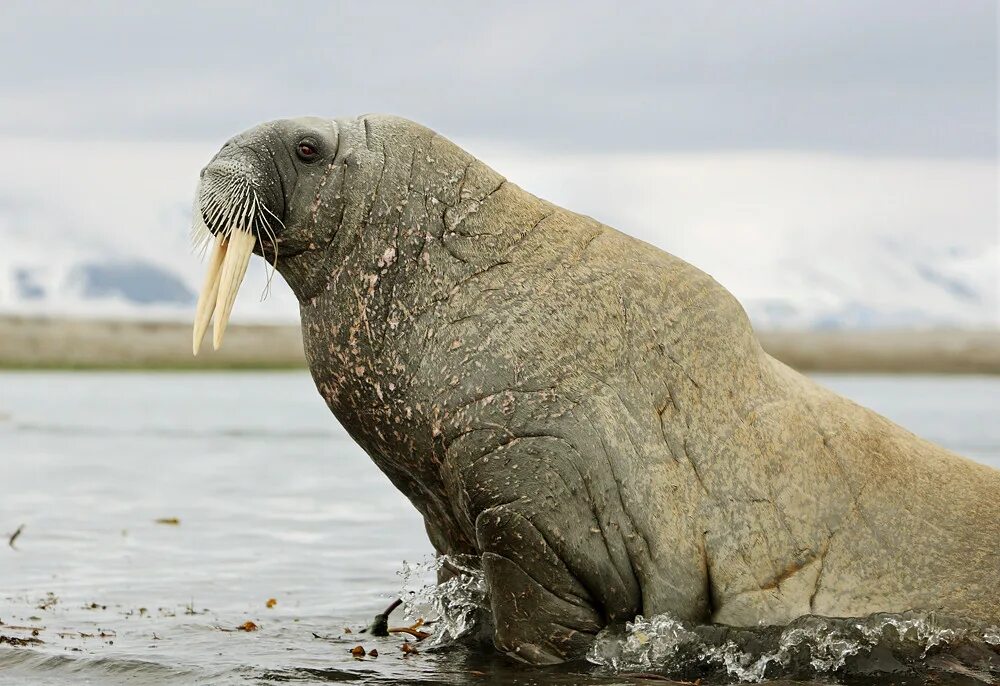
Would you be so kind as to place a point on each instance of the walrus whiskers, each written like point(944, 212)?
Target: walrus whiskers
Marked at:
point(274, 243)
point(201, 237)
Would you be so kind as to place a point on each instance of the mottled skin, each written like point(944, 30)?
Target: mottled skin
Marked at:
point(593, 417)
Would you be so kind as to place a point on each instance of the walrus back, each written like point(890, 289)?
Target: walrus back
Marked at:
point(871, 516)
point(926, 529)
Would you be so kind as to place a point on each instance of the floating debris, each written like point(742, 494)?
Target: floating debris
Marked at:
point(169, 521)
point(412, 630)
point(245, 626)
point(189, 609)
point(81, 634)
point(48, 601)
point(20, 642)
point(372, 653)
point(16, 627)
point(358, 652)
point(408, 649)
point(14, 536)
point(271, 602)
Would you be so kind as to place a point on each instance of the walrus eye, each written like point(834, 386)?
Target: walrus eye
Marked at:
point(307, 151)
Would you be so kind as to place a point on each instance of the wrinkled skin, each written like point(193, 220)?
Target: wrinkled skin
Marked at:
point(592, 417)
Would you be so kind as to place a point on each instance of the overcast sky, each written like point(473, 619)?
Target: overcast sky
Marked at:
point(896, 77)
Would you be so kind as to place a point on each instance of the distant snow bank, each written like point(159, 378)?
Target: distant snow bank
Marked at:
point(805, 241)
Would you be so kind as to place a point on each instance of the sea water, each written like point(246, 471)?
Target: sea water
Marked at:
point(159, 513)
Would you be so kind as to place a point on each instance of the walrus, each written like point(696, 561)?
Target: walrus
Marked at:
point(588, 416)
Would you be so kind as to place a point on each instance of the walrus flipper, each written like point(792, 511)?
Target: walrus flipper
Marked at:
point(552, 575)
point(543, 616)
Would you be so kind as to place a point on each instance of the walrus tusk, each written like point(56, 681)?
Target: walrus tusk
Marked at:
point(209, 291)
point(234, 267)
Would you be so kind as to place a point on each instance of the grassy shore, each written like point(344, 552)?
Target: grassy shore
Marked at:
point(37, 343)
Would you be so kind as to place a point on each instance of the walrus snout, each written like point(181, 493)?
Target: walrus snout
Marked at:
point(239, 165)
point(238, 204)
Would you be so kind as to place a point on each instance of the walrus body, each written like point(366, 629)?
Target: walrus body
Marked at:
point(590, 416)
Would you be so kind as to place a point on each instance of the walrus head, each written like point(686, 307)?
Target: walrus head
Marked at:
point(257, 195)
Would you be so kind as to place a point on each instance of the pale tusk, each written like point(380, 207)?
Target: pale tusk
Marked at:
point(209, 291)
point(234, 267)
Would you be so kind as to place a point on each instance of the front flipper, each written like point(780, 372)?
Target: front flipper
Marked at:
point(542, 614)
point(552, 539)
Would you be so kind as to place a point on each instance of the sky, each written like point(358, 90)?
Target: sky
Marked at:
point(909, 77)
point(826, 153)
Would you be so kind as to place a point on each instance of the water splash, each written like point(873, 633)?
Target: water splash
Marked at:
point(911, 642)
point(458, 606)
point(924, 644)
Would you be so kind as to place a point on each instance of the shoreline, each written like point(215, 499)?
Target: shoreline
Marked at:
point(38, 343)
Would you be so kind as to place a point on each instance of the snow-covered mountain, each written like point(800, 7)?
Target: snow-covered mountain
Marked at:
point(804, 240)
point(101, 229)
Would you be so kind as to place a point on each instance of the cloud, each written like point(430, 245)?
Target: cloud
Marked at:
point(892, 77)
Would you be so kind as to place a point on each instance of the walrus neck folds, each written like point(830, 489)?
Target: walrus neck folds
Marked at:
point(402, 249)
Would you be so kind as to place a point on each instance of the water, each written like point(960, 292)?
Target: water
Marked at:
point(275, 502)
